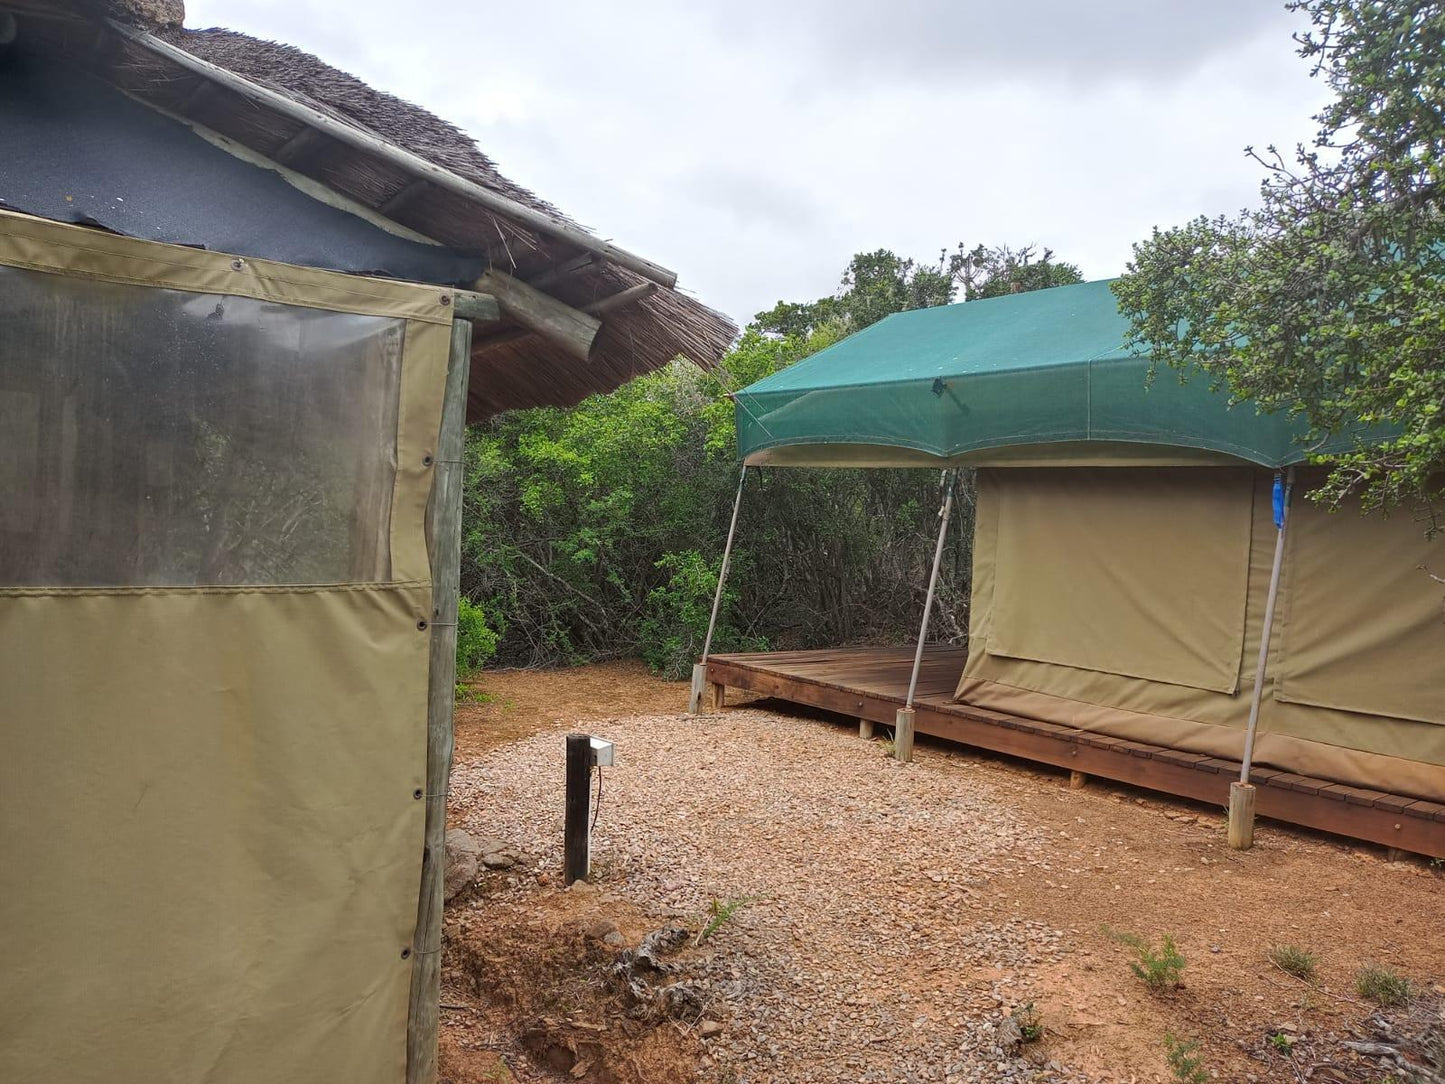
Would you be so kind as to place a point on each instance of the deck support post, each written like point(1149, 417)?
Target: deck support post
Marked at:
point(446, 539)
point(903, 736)
point(865, 729)
point(699, 671)
point(1241, 816)
point(1241, 812)
point(1078, 780)
point(903, 746)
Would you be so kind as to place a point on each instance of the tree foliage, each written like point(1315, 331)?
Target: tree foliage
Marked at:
point(1328, 300)
point(598, 531)
point(878, 284)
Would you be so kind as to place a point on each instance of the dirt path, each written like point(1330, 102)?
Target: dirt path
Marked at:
point(897, 913)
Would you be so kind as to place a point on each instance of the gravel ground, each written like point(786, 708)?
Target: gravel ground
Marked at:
point(862, 954)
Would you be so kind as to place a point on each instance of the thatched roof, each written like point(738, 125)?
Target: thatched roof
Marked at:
point(383, 153)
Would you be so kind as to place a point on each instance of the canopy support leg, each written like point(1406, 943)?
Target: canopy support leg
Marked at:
point(446, 534)
point(903, 729)
point(699, 671)
point(1241, 793)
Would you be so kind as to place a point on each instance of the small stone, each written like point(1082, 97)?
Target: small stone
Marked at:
point(709, 1029)
point(600, 929)
point(462, 858)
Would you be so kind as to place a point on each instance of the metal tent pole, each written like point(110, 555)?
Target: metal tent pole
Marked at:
point(903, 728)
point(699, 671)
point(1241, 794)
point(446, 535)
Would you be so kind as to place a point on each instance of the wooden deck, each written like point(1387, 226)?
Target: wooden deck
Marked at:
point(872, 684)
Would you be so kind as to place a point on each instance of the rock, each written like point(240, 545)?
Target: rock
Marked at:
point(682, 999)
point(463, 862)
point(709, 1028)
point(601, 929)
point(582, 888)
point(615, 939)
point(1009, 1035)
point(499, 860)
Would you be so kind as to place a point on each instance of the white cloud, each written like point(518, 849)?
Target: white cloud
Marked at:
point(755, 151)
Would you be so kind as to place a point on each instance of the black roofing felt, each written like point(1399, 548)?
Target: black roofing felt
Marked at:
point(75, 149)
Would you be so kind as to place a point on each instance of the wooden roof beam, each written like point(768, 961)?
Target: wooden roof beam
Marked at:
point(591, 309)
point(571, 329)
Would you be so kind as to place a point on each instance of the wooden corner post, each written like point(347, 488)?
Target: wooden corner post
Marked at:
point(1241, 794)
point(446, 538)
point(903, 722)
point(704, 696)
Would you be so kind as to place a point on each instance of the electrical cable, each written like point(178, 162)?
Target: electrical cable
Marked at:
point(597, 806)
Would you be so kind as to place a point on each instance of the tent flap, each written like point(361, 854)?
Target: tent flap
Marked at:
point(1131, 571)
point(1362, 624)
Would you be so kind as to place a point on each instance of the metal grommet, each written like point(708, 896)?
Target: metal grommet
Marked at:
point(417, 793)
point(406, 954)
point(426, 461)
point(421, 625)
point(445, 299)
point(238, 265)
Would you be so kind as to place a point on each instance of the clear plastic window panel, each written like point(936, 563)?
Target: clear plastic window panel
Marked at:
point(156, 437)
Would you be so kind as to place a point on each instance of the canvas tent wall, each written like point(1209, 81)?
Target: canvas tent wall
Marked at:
point(1124, 535)
point(229, 503)
point(214, 591)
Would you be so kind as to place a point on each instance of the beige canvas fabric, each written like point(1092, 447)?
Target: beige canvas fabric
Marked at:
point(1361, 624)
point(210, 835)
point(1132, 571)
point(1377, 749)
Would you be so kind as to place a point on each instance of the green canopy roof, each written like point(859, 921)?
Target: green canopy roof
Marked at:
point(1030, 377)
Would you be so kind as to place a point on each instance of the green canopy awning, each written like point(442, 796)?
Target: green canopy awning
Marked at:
point(1032, 377)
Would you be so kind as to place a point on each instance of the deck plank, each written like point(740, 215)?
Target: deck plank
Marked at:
point(872, 683)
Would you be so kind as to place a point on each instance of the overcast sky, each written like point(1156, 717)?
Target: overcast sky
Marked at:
point(755, 145)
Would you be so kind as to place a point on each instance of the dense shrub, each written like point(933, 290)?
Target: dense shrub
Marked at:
point(598, 531)
point(476, 640)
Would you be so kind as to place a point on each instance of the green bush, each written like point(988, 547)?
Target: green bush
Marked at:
point(673, 631)
point(476, 640)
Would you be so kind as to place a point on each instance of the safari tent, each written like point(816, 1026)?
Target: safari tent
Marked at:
point(1136, 547)
point(246, 306)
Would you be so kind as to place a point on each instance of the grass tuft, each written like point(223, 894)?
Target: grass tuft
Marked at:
point(1382, 985)
point(1293, 960)
point(722, 913)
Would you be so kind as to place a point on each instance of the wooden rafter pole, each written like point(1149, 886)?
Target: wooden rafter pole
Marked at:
point(413, 164)
point(1241, 793)
point(557, 322)
point(593, 308)
point(446, 534)
point(903, 729)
